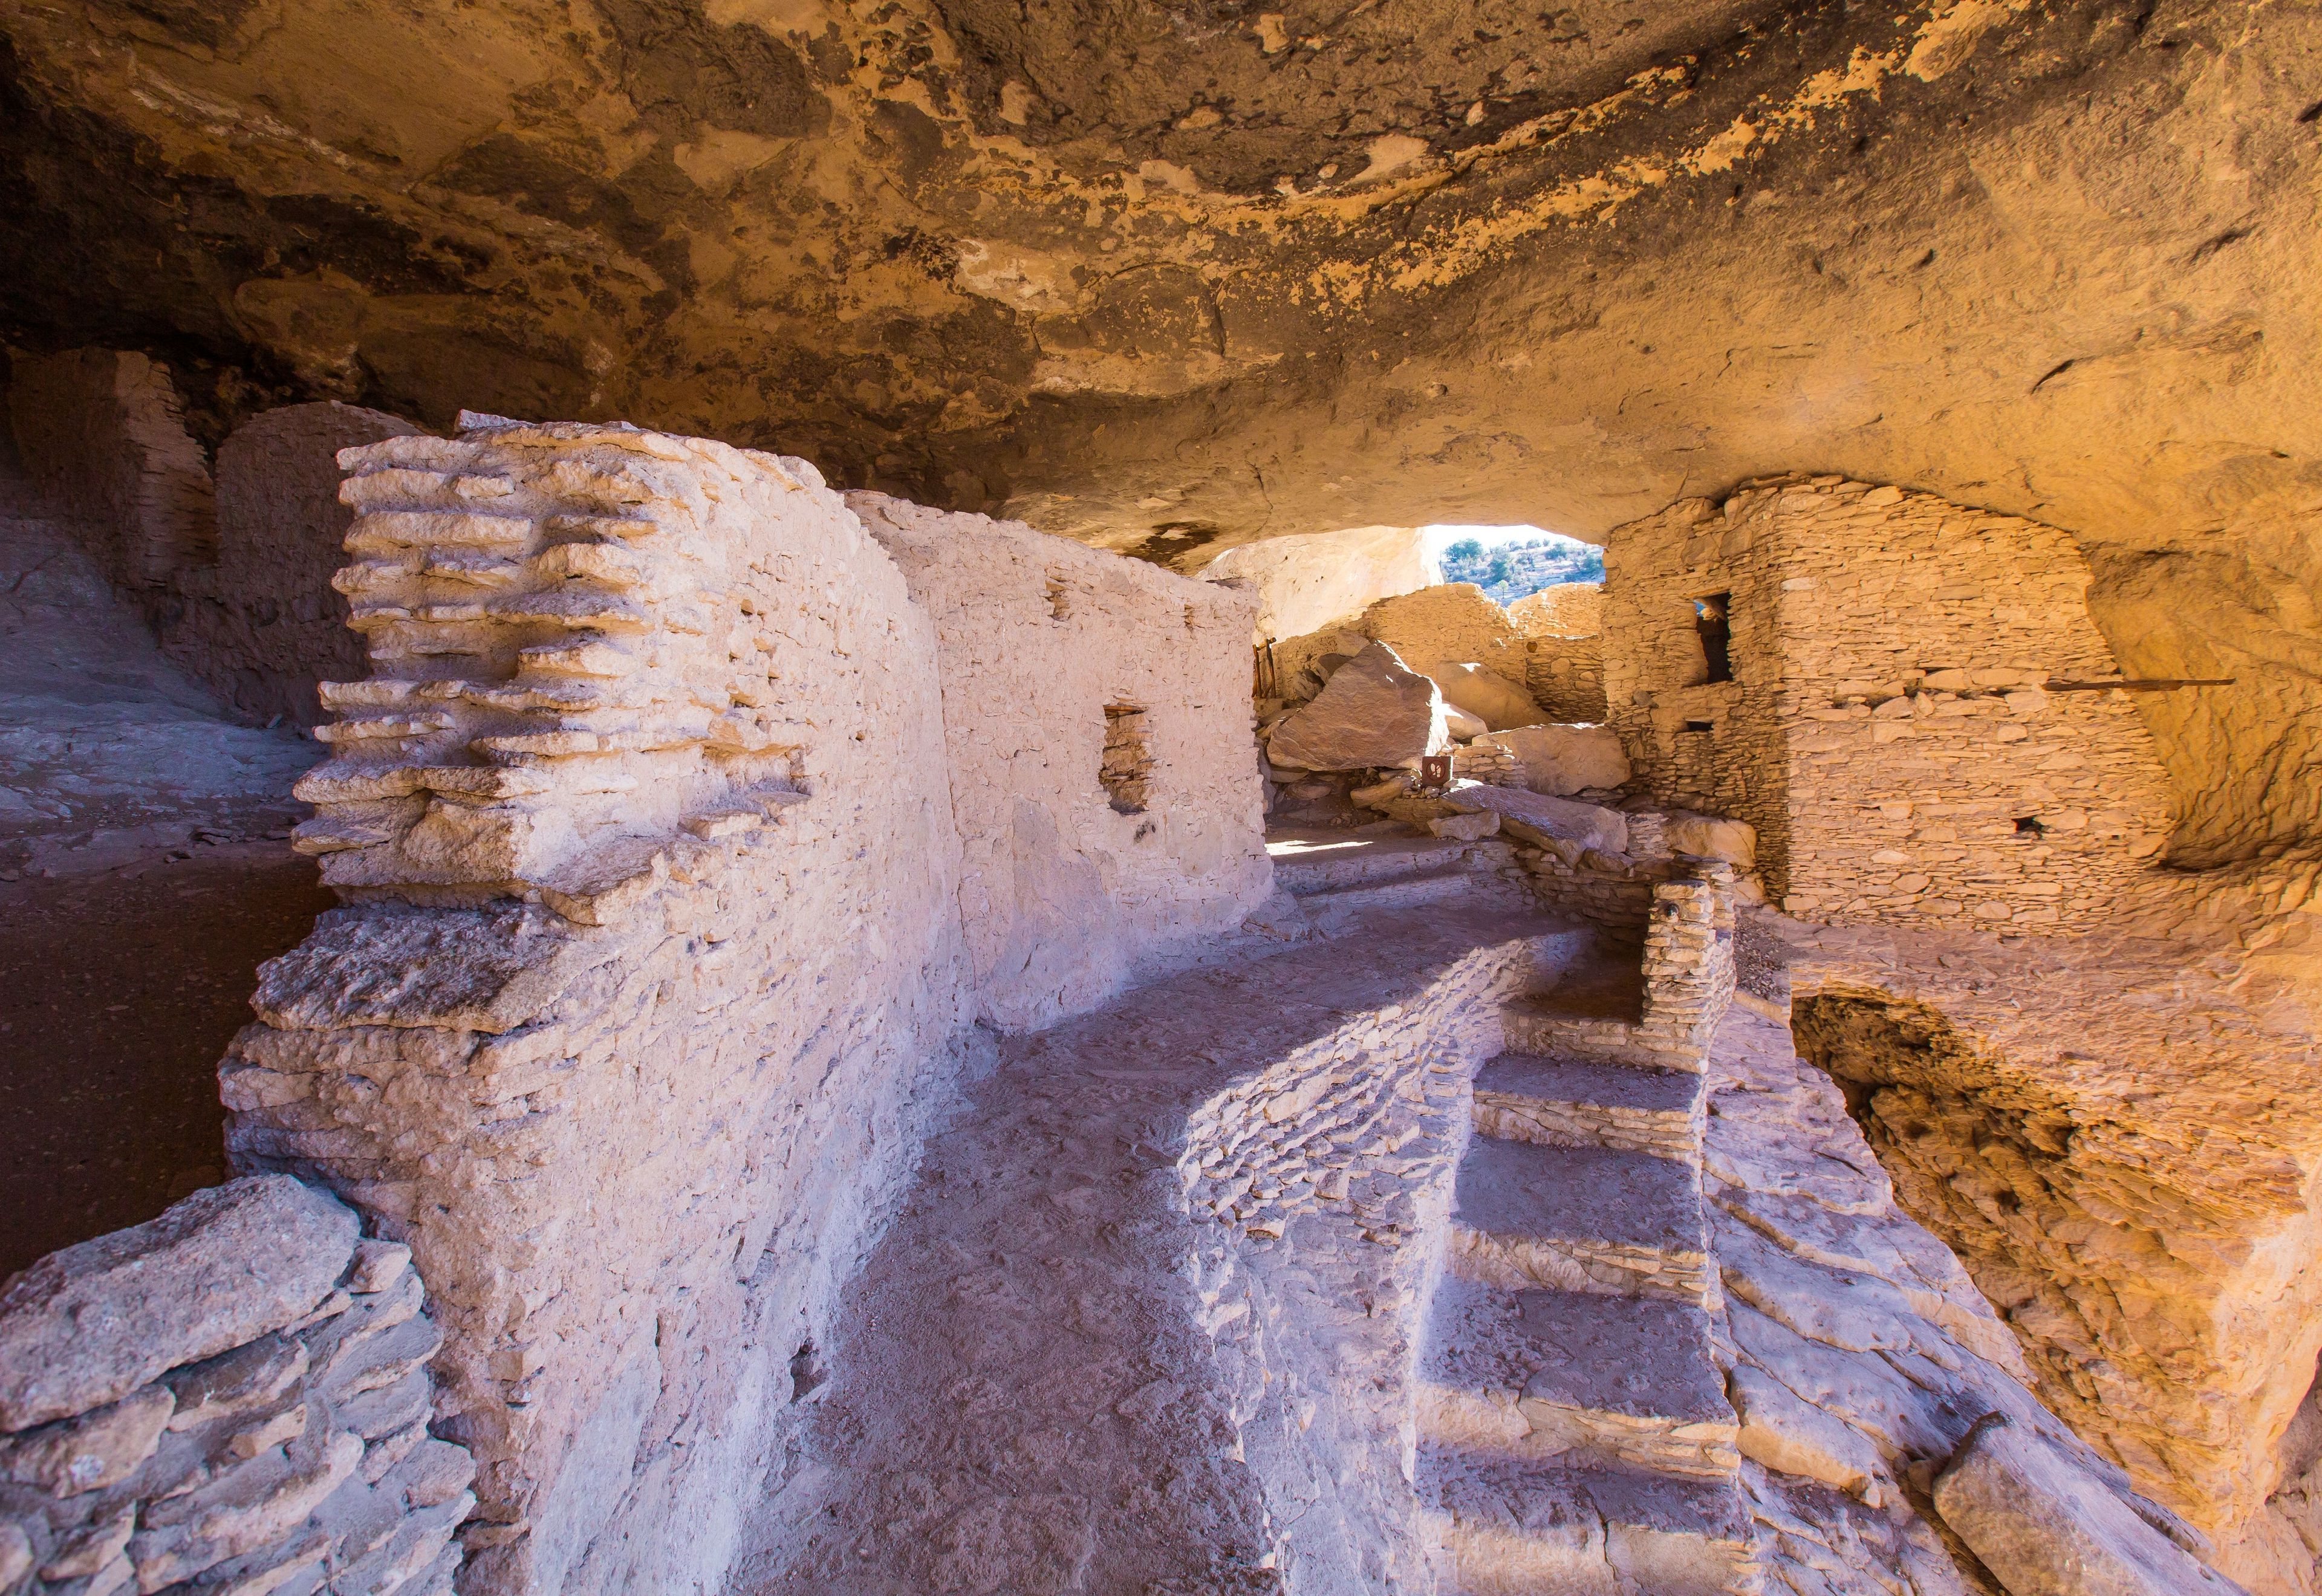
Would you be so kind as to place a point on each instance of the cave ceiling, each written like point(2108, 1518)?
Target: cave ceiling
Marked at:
point(1169, 277)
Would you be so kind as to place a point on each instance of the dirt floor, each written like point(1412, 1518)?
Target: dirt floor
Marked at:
point(118, 993)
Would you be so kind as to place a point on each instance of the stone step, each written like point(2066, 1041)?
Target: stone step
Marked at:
point(1625, 1382)
point(1564, 1102)
point(1519, 1528)
point(1400, 892)
point(1323, 864)
point(1580, 1219)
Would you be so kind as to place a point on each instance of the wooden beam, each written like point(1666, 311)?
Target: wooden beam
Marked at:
point(2157, 684)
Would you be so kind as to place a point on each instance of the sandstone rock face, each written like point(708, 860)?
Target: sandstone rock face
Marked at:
point(1709, 838)
point(236, 1393)
point(1563, 760)
point(1318, 579)
point(1455, 622)
point(91, 1323)
point(1044, 648)
point(1903, 720)
point(1290, 303)
point(1375, 712)
point(2129, 1112)
point(1485, 695)
point(1546, 821)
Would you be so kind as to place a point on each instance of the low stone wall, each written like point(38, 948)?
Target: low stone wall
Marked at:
point(1566, 677)
point(653, 976)
point(1320, 1187)
point(1098, 741)
point(232, 1397)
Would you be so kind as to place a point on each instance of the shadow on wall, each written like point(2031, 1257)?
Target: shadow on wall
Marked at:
point(2244, 762)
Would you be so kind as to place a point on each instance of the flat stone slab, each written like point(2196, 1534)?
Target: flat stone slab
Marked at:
point(1640, 1089)
point(91, 1323)
point(1646, 1357)
point(1594, 1194)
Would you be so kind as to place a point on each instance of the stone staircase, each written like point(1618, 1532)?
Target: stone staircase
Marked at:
point(1574, 1430)
point(1335, 875)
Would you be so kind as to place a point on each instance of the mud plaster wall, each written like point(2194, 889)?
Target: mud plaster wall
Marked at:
point(1040, 643)
point(635, 1156)
point(1887, 730)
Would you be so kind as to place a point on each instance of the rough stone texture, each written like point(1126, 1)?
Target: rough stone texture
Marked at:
point(103, 435)
point(1567, 610)
point(1320, 579)
point(1098, 753)
point(1860, 1356)
point(1452, 623)
point(263, 624)
point(94, 1322)
point(1564, 649)
point(1489, 698)
point(713, 1058)
point(1563, 760)
point(1374, 713)
point(2046, 1528)
point(236, 1393)
point(1889, 727)
point(2116, 1135)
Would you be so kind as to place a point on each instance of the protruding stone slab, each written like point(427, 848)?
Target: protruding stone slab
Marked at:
point(1546, 821)
point(91, 1323)
point(1482, 692)
point(2048, 1528)
point(1375, 712)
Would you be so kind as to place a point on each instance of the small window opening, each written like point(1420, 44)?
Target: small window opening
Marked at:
point(1127, 769)
point(1060, 599)
point(2029, 825)
point(1700, 725)
point(1711, 623)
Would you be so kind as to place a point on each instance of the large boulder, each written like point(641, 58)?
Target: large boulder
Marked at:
point(1558, 823)
point(1374, 713)
point(1305, 583)
point(1706, 836)
point(1563, 760)
point(2047, 1527)
point(1484, 694)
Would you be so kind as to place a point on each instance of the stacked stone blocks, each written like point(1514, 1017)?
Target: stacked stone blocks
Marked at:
point(233, 1398)
point(1889, 727)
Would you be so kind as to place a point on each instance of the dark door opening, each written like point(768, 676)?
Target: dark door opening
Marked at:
point(1710, 622)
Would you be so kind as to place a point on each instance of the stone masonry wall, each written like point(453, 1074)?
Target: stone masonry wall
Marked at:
point(1453, 622)
point(1097, 727)
point(651, 976)
point(1563, 649)
point(103, 437)
point(1886, 729)
point(233, 1399)
point(263, 625)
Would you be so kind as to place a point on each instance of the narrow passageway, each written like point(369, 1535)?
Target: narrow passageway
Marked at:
point(1070, 1365)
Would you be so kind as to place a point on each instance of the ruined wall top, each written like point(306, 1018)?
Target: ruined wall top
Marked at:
point(579, 638)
